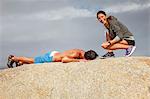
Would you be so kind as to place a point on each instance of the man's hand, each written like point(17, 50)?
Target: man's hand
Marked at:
point(83, 60)
point(68, 59)
point(106, 44)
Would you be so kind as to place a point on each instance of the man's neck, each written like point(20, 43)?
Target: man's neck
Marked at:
point(106, 24)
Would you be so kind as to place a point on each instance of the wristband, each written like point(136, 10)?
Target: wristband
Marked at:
point(109, 43)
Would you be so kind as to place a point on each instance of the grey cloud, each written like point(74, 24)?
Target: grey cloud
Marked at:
point(12, 7)
point(59, 9)
point(103, 4)
point(126, 7)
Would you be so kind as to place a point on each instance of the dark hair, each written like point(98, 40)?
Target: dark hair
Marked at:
point(102, 12)
point(90, 55)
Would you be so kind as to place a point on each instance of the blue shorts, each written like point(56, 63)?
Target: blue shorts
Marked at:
point(44, 58)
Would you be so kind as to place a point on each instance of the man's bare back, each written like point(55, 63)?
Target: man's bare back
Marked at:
point(69, 56)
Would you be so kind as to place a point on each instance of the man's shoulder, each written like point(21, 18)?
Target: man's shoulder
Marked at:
point(77, 49)
point(111, 18)
point(72, 51)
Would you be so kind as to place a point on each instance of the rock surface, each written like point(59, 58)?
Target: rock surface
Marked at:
point(113, 78)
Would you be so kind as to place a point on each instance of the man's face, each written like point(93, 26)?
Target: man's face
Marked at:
point(102, 18)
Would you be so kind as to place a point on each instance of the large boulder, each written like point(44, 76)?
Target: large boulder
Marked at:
point(112, 78)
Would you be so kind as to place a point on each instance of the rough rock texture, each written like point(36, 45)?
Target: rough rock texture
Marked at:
point(113, 78)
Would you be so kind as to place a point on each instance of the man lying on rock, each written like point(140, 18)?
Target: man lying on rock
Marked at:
point(73, 55)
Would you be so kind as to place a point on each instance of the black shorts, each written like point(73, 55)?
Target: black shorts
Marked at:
point(131, 42)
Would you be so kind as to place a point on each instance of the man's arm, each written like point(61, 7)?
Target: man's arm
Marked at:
point(67, 60)
point(109, 43)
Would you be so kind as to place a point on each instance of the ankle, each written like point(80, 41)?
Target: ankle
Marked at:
point(14, 59)
point(111, 52)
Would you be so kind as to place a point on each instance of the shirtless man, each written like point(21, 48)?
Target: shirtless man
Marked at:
point(74, 55)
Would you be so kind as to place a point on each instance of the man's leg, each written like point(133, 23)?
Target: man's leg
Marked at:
point(120, 45)
point(123, 45)
point(24, 60)
point(108, 38)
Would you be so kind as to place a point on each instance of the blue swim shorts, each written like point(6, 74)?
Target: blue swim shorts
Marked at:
point(44, 58)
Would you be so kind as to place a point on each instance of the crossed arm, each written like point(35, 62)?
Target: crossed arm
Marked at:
point(109, 41)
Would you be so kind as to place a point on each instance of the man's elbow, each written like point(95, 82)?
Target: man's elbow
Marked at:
point(65, 60)
point(117, 38)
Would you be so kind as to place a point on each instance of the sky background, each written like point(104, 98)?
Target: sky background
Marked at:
point(33, 27)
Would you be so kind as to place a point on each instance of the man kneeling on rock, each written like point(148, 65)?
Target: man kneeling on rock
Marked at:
point(74, 55)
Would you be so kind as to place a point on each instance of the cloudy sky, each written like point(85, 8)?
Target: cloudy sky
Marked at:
point(34, 27)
